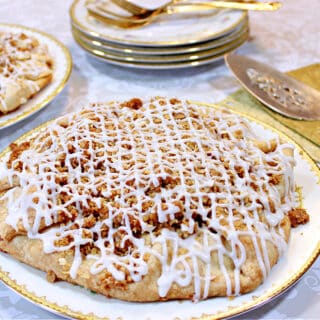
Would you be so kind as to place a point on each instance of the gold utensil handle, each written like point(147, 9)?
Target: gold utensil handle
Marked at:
point(135, 21)
point(180, 7)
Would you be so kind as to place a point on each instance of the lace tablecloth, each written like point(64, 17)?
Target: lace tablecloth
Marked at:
point(287, 39)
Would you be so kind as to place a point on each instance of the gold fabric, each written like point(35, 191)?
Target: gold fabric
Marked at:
point(305, 133)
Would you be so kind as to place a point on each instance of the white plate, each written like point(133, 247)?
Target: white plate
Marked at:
point(62, 68)
point(160, 59)
point(161, 51)
point(76, 302)
point(129, 63)
point(166, 30)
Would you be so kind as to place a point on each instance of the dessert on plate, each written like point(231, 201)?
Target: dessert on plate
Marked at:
point(25, 69)
point(149, 200)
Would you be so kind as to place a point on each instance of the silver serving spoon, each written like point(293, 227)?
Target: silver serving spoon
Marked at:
point(275, 89)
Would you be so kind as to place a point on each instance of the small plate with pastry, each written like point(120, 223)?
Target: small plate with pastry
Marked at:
point(34, 67)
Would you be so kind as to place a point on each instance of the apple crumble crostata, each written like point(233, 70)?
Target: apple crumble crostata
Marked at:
point(25, 68)
point(149, 200)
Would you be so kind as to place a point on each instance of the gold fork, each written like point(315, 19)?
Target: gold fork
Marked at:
point(102, 14)
point(115, 21)
point(137, 10)
point(142, 12)
point(146, 16)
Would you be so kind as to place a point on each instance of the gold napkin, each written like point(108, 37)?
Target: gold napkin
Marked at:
point(305, 133)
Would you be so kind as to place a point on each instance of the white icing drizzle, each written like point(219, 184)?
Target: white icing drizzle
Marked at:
point(22, 60)
point(177, 158)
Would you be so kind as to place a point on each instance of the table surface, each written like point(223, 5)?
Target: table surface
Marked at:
point(287, 39)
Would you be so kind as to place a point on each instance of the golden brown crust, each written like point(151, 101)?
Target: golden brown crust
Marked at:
point(23, 93)
point(57, 265)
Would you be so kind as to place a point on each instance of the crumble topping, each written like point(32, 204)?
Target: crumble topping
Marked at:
point(298, 216)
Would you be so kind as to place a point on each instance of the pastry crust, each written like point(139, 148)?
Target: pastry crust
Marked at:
point(162, 194)
point(146, 290)
point(25, 69)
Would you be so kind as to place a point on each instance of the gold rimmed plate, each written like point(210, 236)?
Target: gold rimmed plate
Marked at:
point(188, 62)
point(76, 302)
point(179, 29)
point(160, 59)
point(160, 51)
point(62, 65)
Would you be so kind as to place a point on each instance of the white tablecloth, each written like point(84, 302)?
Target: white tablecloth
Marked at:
point(287, 39)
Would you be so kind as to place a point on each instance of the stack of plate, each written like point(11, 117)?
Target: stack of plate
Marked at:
point(171, 41)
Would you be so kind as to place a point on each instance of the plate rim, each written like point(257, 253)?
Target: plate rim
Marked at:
point(165, 50)
point(167, 66)
point(253, 304)
point(170, 58)
point(130, 42)
point(40, 105)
